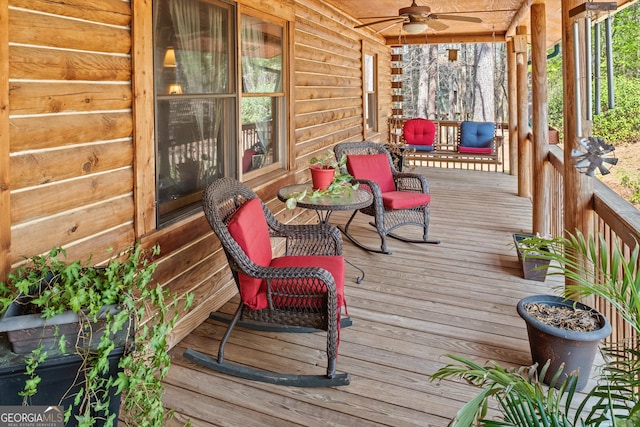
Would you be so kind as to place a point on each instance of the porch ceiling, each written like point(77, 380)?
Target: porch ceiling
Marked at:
point(499, 19)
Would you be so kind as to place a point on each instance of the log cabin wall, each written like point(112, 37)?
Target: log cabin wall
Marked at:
point(72, 173)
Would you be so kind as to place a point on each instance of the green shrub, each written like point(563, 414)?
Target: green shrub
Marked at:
point(621, 124)
point(633, 184)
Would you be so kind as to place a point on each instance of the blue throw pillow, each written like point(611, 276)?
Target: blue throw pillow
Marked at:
point(476, 134)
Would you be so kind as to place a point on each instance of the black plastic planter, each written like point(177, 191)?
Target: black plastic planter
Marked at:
point(532, 268)
point(58, 374)
point(576, 350)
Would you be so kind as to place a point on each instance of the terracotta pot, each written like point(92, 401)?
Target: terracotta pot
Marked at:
point(575, 349)
point(321, 177)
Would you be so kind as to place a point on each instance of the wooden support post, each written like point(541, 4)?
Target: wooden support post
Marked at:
point(524, 145)
point(578, 189)
point(513, 108)
point(540, 121)
point(5, 196)
point(143, 108)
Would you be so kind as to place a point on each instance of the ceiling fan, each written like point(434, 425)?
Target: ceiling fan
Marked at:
point(415, 19)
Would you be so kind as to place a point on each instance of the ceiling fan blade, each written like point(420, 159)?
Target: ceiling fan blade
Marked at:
point(395, 18)
point(456, 18)
point(436, 25)
point(388, 26)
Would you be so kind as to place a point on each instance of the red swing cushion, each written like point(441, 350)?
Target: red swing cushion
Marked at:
point(475, 150)
point(374, 167)
point(249, 229)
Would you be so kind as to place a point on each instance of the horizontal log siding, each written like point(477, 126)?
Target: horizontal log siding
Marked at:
point(71, 125)
point(328, 82)
point(71, 154)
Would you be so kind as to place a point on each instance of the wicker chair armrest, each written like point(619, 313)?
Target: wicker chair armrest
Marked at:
point(311, 239)
point(275, 274)
point(368, 185)
point(407, 181)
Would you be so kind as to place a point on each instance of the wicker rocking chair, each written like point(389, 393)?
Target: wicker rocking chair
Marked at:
point(399, 198)
point(301, 291)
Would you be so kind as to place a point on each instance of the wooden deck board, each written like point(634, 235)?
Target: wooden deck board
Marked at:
point(413, 308)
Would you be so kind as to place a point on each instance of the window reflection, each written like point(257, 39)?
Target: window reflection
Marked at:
point(195, 103)
point(262, 100)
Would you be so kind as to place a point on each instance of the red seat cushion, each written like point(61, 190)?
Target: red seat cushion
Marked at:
point(333, 264)
point(249, 229)
point(475, 150)
point(419, 132)
point(374, 167)
point(404, 199)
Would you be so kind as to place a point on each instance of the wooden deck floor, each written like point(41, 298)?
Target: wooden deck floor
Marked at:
point(413, 307)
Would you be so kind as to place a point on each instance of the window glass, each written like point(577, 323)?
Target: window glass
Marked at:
point(370, 90)
point(262, 104)
point(195, 101)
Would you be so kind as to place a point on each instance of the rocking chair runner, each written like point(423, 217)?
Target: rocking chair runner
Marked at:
point(303, 289)
point(399, 198)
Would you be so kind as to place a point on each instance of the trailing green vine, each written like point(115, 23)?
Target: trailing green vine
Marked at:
point(142, 317)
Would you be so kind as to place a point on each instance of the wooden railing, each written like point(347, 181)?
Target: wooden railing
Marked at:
point(617, 220)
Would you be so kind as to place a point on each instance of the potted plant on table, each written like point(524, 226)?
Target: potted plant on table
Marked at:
point(107, 326)
point(327, 179)
point(522, 399)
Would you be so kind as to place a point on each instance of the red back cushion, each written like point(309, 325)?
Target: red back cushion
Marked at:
point(419, 132)
point(249, 229)
point(374, 167)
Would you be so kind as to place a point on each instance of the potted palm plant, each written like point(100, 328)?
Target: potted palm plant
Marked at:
point(533, 268)
point(523, 400)
point(80, 336)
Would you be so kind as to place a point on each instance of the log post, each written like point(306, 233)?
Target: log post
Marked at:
point(578, 188)
point(513, 108)
point(143, 108)
point(524, 145)
point(540, 121)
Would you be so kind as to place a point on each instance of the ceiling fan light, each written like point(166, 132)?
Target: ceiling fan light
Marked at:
point(414, 27)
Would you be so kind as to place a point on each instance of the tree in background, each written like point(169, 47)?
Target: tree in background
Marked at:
point(621, 124)
point(473, 87)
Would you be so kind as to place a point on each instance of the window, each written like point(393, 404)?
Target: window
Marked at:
point(370, 92)
point(263, 100)
point(198, 94)
point(195, 101)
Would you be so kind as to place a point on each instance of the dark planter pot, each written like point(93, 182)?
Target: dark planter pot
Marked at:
point(532, 268)
point(58, 376)
point(21, 332)
point(27, 331)
point(576, 350)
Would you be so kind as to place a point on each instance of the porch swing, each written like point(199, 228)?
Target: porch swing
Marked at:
point(472, 142)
